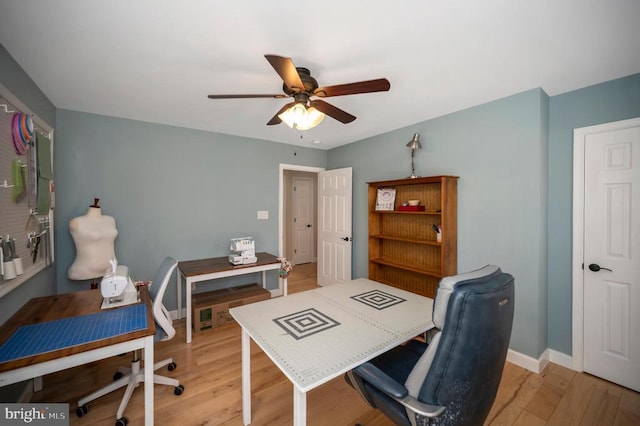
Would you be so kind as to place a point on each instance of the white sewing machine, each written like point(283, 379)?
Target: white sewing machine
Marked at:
point(117, 287)
point(245, 249)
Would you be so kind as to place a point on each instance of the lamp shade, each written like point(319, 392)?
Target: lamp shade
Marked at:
point(415, 142)
point(301, 117)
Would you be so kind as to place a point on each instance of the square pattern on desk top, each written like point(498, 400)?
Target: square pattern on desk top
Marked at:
point(311, 321)
point(315, 335)
point(49, 336)
point(378, 299)
point(305, 323)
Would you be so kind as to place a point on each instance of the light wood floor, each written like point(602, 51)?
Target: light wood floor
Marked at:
point(209, 368)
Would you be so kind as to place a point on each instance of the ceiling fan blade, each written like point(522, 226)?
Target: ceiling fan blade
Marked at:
point(332, 111)
point(245, 96)
point(275, 119)
point(286, 70)
point(378, 85)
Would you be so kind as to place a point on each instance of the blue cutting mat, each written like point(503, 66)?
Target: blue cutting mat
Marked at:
point(49, 336)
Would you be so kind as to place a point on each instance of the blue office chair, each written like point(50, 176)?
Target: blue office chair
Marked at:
point(132, 376)
point(454, 379)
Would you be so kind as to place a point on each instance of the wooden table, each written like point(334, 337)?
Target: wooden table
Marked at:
point(194, 271)
point(63, 313)
point(317, 335)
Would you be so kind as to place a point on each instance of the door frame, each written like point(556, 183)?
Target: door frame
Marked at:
point(281, 207)
point(579, 142)
point(292, 228)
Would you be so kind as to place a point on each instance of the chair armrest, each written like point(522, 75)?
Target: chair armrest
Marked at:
point(378, 378)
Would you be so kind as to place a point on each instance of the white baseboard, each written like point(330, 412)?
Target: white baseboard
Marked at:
point(527, 362)
point(561, 359)
point(537, 365)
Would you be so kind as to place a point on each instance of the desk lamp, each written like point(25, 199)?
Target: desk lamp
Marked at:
point(414, 144)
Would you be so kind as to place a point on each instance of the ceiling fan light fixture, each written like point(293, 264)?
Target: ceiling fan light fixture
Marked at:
point(301, 117)
point(299, 84)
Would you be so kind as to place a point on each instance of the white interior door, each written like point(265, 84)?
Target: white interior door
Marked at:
point(334, 226)
point(303, 229)
point(612, 241)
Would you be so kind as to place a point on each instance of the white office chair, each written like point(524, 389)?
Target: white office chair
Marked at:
point(131, 377)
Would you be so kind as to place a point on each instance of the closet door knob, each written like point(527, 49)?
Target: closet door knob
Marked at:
point(595, 268)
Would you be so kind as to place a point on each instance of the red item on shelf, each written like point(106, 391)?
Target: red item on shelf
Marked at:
point(411, 208)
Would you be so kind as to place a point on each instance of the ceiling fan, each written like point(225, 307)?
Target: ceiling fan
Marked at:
point(304, 112)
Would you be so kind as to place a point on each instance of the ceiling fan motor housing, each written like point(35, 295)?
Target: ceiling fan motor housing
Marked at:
point(310, 84)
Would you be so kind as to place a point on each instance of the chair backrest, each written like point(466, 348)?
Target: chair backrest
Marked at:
point(462, 366)
point(161, 281)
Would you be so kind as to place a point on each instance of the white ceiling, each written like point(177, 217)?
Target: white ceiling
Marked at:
point(156, 60)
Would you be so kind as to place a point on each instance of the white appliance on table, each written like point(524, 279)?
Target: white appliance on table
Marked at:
point(244, 249)
point(116, 286)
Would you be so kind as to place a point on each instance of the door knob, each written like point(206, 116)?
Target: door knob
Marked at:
point(345, 238)
point(595, 268)
point(308, 225)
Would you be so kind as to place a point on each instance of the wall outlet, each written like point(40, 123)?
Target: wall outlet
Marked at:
point(263, 214)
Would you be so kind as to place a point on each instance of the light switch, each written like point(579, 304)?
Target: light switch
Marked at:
point(263, 214)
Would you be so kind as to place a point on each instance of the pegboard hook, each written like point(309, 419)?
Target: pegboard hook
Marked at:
point(6, 108)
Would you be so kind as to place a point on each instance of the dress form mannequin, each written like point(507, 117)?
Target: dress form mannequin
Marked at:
point(93, 235)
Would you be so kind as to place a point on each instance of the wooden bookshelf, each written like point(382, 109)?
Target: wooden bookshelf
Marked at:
point(403, 247)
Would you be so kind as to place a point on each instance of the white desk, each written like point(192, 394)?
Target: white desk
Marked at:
point(72, 306)
point(318, 335)
point(194, 271)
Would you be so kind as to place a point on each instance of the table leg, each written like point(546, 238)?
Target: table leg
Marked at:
point(285, 285)
point(299, 407)
point(188, 303)
point(148, 381)
point(246, 378)
point(179, 287)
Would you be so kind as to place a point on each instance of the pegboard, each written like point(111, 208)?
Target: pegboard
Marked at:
point(19, 200)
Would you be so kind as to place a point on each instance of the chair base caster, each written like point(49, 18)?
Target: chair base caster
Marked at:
point(81, 411)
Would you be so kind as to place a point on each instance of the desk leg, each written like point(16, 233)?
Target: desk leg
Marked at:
point(188, 303)
point(285, 285)
point(148, 381)
point(246, 378)
point(299, 407)
point(179, 287)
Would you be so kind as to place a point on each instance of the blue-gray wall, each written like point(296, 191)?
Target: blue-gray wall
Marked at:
point(20, 84)
point(499, 150)
point(612, 101)
point(496, 177)
point(172, 191)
